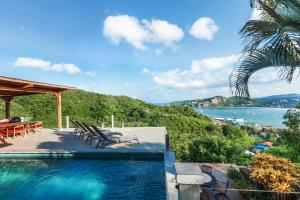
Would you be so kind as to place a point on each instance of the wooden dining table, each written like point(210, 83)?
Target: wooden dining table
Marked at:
point(14, 126)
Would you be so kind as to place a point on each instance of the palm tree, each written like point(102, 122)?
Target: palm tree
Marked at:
point(271, 41)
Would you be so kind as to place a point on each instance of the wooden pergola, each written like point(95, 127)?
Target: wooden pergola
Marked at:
point(12, 87)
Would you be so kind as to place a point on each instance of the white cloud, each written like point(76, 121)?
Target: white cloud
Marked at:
point(209, 72)
point(125, 27)
point(70, 68)
point(212, 80)
point(255, 15)
point(46, 65)
point(162, 31)
point(177, 79)
point(209, 64)
point(137, 33)
point(32, 63)
point(204, 28)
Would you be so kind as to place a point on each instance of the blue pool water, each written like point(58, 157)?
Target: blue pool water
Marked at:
point(81, 179)
point(252, 115)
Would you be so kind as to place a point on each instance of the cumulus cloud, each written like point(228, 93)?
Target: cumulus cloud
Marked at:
point(32, 63)
point(210, 78)
point(177, 79)
point(46, 65)
point(127, 28)
point(204, 28)
point(162, 31)
point(135, 32)
point(208, 72)
point(209, 64)
point(70, 68)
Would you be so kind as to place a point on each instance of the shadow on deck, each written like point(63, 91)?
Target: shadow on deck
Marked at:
point(51, 140)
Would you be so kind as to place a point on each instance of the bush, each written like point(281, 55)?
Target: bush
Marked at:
point(274, 173)
point(285, 152)
point(212, 147)
point(242, 181)
point(292, 134)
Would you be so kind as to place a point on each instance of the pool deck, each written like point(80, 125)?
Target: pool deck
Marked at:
point(54, 141)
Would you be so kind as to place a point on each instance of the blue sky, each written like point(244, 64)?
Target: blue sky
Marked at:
point(158, 51)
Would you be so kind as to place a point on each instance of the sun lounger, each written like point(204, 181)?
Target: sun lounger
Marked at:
point(83, 132)
point(77, 128)
point(108, 140)
point(91, 135)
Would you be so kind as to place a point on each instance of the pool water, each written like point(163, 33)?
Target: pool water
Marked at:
point(81, 179)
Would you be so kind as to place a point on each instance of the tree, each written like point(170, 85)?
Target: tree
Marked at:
point(271, 41)
point(292, 134)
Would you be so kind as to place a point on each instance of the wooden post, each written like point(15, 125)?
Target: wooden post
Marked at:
point(7, 100)
point(59, 117)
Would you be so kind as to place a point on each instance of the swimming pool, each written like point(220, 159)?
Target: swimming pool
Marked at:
point(81, 179)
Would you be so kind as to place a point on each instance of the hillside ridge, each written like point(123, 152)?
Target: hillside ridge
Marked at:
point(283, 100)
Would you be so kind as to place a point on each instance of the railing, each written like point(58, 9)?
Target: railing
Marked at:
point(107, 122)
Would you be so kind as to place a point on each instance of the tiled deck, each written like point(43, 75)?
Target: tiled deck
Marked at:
point(51, 140)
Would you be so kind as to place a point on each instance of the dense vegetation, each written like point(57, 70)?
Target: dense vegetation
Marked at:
point(194, 137)
point(288, 145)
point(274, 169)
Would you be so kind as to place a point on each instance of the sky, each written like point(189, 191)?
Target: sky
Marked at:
point(157, 51)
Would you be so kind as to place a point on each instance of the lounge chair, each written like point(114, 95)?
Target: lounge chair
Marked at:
point(108, 140)
point(83, 132)
point(77, 128)
point(91, 134)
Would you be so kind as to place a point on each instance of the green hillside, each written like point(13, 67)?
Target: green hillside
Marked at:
point(193, 136)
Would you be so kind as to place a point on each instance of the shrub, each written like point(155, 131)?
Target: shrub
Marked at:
point(274, 173)
point(242, 181)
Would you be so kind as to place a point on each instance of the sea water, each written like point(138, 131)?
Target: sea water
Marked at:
point(252, 115)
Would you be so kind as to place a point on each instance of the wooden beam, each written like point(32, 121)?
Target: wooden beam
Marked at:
point(28, 86)
point(59, 116)
point(29, 90)
point(7, 80)
point(7, 100)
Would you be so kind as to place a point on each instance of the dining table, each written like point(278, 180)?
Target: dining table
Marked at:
point(14, 125)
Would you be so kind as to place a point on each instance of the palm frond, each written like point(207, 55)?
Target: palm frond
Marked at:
point(272, 41)
point(239, 78)
point(256, 32)
point(255, 61)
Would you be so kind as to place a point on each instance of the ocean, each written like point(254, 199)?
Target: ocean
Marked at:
point(253, 115)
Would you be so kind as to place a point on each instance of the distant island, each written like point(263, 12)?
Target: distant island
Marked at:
point(278, 101)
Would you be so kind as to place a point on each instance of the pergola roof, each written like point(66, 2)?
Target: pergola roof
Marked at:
point(19, 87)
